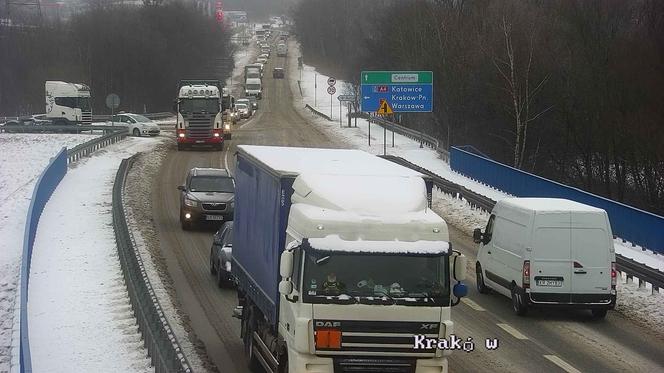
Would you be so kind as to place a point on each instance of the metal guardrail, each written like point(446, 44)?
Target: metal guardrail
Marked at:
point(159, 339)
point(423, 138)
point(629, 266)
point(30, 128)
point(83, 150)
point(316, 112)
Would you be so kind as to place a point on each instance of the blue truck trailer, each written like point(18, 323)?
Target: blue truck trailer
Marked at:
point(265, 178)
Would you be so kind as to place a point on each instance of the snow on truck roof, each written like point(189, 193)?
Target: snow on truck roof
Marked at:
point(548, 205)
point(336, 243)
point(295, 161)
point(368, 195)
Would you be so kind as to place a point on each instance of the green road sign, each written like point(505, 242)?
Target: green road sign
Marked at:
point(397, 77)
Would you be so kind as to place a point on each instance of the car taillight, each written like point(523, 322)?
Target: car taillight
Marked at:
point(614, 275)
point(526, 274)
point(328, 338)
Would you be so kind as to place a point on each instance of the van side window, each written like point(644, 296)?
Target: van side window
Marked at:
point(488, 232)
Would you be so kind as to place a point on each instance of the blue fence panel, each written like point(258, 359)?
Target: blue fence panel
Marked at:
point(44, 188)
point(638, 226)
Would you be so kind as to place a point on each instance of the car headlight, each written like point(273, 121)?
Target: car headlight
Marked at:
point(233, 204)
point(190, 202)
point(227, 126)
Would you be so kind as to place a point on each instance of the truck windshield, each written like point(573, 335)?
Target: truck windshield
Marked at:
point(253, 87)
point(212, 184)
point(404, 279)
point(84, 103)
point(198, 105)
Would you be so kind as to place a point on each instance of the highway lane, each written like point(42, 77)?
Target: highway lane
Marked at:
point(209, 308)
point(553, 338)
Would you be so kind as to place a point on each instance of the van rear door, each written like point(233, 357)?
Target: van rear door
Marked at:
point(591, 272)
point(550, 264)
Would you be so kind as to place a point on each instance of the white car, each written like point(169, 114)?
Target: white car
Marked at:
point(548, 252)
point(136, 124)
point(244, 110)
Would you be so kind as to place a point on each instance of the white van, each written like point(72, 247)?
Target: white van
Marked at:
point(548, 252)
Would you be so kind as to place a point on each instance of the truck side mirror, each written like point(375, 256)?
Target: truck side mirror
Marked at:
point(286, 264)
point(285, 287)
point(477, 235)
point(459, 266)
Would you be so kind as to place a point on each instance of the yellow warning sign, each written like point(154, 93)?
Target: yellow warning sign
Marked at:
point(384, 107)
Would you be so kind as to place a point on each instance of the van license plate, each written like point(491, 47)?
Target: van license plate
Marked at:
point(214, 217)
point(551, 283)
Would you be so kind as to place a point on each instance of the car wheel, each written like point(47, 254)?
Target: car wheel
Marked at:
point(136, 132)
point(213, 270)
point(599, 313)
point(221, 277)
point(518, 305)
point(481, 286)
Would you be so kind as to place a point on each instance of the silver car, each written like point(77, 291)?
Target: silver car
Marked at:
point(221, 255)
point(208, 195)
point(136, 124)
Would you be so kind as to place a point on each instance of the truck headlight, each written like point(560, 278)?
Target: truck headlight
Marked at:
point(190, 202)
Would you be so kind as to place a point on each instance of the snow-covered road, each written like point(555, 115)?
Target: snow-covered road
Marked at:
point(79, 314)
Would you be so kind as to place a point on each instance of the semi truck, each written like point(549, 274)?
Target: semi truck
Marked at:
point(282, 50)
point(340, 263)
point(68, 103)
point(199, 114)
point(253, 71)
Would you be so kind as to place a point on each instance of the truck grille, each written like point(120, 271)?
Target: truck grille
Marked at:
point(377, 365)
point(214, 206)
point(200, 125)
point(86, 117)
point(380, 337)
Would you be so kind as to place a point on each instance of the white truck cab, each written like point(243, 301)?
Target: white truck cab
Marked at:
point(68, 103)
point(548, 252)
point(253, 87)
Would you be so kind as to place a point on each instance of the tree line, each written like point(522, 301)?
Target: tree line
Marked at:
point(137, 52)
point(567, 89)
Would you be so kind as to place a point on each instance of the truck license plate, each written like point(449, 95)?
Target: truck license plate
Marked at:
point(214, 217)
point(551, 283)
point(200, 141)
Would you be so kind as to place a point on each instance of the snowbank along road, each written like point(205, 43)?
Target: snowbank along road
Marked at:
point(546, 340)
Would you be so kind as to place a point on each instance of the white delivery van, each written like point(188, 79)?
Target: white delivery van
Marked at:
point(548, 252)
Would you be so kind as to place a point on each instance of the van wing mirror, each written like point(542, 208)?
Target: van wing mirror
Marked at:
point(477, 235)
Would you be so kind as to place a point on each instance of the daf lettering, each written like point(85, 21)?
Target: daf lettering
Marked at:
point(328, 324)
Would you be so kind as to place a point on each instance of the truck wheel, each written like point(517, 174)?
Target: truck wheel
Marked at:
point(136, 132)
point(220, 147)
point(518, 305)
point(227, 136)
point(481, 286)
point(598, 313)
point(180, 147)
point(252, 360)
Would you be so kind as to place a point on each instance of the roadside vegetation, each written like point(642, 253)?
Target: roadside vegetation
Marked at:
point(137, 52)
point(567, 89)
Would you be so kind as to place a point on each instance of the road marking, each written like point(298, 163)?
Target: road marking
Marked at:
point(470, 303)
point(562, 363)
point(226, 161)
point(515, 333)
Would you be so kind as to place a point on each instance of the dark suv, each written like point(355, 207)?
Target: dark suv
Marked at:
point(207, 195)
